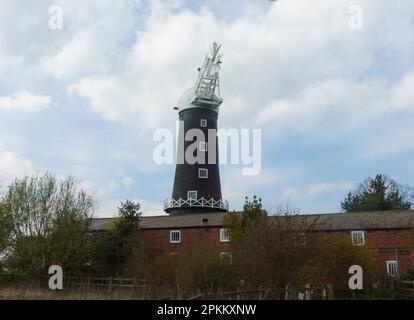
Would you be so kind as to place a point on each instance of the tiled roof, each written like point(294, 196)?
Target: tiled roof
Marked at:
point(214, 219)
point(325, 222)
point(365, 220)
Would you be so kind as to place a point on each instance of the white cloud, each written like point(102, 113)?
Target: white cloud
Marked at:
point(95, 39)
point(24, 100)
point(90, 41)
point(273, 54)
point(107, 189)
point(109, 208)
point(103, 93)
point(235, 185)
point(73, 57)
point(324, 187)
point(393, 140)
point(290, 66)
point(402, 94)
point(290, 193)
point(274, 66)
point(304, 195)
point(327, 105)
point(149, 208)
point(127, 182)
point(122, 155)
point(12, 165)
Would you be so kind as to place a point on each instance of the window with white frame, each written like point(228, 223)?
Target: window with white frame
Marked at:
point(191, 195)
point(226, 257)
point(299, 238)
point(203, 173)
point(392, 268)
point(175, 236)
point(224, 235)
point(203, 123)
point(203, 146)
point(358, 238)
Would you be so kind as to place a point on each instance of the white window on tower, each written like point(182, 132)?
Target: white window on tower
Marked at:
point(203, 173)
point(358, 238)
point(224, 235)
point(175, 236)
point(203, 123)
point(203, 146)
point(191, 195)
point(392, 268)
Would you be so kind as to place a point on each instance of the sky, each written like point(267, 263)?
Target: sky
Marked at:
point(329, 83)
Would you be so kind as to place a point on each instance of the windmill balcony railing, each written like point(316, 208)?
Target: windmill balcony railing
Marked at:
point(171, 203)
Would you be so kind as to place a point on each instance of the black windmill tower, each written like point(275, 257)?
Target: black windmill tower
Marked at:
point(197, 177)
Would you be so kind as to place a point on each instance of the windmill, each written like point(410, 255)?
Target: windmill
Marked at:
point(197, 185)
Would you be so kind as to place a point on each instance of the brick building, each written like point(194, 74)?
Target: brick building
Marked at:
point(390, 233)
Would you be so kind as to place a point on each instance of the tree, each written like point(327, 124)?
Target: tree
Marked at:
point(252, 211)
point(45, 222)
point(3, 225)
point(199, 268)
point(130, 214)
point(118, 244)
point(253, 214)
point(3, 230)
point(380, 193)
point(330, 261)
point(273, 246)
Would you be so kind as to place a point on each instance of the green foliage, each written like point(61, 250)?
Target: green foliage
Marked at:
point(115, 246)
point(252, 209)
point(113, 224)
point(380, 193)
point(232, 222)
point(129, 210)
point(45, 222)
point(195, 269)
point(330, 261)
point(272, 251)
point(253, 214)
point(199, 268)
point(4, 228)
point(12, 278)
point(408, 275)
point(273, 246)
point(130, 216)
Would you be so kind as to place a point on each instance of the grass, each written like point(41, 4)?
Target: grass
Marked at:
point(32, 293)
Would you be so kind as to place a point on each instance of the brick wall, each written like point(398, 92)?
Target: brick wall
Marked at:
point(159, 239)
point(397, 244)
point(392, 244)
